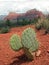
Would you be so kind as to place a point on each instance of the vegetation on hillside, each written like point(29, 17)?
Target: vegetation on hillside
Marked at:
point(43, 24)
point(4, 29)
point(40, 23)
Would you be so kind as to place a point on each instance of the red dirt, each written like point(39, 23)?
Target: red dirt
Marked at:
point(10, 57)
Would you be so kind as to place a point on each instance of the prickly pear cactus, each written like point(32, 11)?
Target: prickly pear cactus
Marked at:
point(15, 42)
point(29, 40)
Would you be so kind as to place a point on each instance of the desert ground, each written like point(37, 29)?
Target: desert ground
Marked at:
point(10, 57)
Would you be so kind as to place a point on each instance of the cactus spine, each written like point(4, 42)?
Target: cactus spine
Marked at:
point(29, 39)
point(15, 42)
point(28, 42)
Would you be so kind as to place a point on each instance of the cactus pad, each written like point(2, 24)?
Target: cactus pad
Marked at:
point(29, 39)
point(15, 42)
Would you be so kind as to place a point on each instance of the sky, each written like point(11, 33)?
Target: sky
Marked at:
point(21, 6)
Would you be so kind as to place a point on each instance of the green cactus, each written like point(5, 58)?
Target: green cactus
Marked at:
point(15, 42)
point(29, 39)
point(28, 42)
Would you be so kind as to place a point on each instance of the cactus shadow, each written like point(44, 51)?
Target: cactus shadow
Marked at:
point(21, 59)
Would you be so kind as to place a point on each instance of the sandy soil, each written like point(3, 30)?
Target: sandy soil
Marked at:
point(10, 57)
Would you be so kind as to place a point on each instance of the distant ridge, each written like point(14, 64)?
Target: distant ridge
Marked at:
point(12, 15)
point(30, 14)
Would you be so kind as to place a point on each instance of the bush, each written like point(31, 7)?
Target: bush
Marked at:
point(38, 26)
point(8, 23)
point(4, 30)
point(45, 25)
point(22, 22)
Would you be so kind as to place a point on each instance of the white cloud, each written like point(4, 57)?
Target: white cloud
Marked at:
point(22, 5)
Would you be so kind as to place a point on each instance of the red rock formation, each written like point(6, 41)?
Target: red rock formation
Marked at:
point(29, 14)
point(12, 15)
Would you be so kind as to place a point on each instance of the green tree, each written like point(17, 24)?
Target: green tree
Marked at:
point(8, 23)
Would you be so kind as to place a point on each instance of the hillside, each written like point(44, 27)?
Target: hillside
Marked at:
point(31, 14)
point(10, 57)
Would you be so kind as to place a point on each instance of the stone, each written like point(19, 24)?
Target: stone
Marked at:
point(38, 53)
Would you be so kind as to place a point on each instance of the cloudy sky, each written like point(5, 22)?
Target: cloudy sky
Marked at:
point(21, 6)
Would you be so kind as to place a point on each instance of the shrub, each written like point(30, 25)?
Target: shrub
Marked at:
point(45, 25)
point(38, 26)
point(8, 23)
point(4, 30)
point(23, 22)
point(27, 42)
point(26, 21)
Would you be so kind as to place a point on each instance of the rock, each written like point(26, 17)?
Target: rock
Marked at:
point(38, 53)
